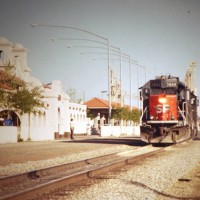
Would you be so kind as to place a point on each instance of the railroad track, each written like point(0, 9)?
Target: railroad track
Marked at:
point(34, 183)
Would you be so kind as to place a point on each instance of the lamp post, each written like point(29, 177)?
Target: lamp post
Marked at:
point(112, 48)
point(130, 61)
point(108, 52)
point(121, 56)
point(144, 71)
point(121, 98)
point(102, 92)
point(117, 52)
point(130, 84)
point(125, 57)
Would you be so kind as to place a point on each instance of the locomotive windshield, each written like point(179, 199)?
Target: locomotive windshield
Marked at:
point(164, 91)
point(164, 85)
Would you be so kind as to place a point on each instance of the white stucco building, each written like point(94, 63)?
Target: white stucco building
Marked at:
point(55, 120)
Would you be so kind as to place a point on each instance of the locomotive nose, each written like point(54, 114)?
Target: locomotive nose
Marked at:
point(163, 107)
point(162, 100)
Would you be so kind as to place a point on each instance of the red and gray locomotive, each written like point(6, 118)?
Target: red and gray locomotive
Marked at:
point(169, 111)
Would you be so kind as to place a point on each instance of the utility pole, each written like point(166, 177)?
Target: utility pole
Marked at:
point(190, 79)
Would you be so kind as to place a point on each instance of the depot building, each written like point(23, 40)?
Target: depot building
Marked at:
point(55, 119)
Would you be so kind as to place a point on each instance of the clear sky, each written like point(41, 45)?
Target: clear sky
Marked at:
point(162, 35)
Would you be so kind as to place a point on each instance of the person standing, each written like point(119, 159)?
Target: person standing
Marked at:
point(8, 121)
point(72, 129)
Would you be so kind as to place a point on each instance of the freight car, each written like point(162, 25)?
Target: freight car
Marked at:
point(169, 111)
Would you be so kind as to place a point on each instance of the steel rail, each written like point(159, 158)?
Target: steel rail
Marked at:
point(98, 167)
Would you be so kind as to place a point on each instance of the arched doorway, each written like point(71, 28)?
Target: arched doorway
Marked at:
point(9, 118)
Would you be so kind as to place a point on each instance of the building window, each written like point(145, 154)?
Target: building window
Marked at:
point(1, 54)
point(77, 117)
point(59, 97)
point(45, 119)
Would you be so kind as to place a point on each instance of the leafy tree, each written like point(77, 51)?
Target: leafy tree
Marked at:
point(8, 84)
point(28, 101)
point(135, 115)
point(125, 114)
point(2, 98)
point(89, 114)
point(120, 113)
point(16, 95)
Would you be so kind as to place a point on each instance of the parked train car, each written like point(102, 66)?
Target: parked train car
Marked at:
point(169, 111)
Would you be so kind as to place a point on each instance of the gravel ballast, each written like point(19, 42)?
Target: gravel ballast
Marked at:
point(172, 174)
point(26, 156)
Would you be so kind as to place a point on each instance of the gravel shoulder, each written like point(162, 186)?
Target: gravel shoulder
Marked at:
point(172, 174)
point(27, 156)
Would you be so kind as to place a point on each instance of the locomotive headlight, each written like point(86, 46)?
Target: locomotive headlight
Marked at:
point(162, 100)
point(151, 117)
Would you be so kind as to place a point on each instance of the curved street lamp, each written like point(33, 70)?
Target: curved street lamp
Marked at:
point(117, 53)
point(108, 48)
point(112, 48)
point(123, 57)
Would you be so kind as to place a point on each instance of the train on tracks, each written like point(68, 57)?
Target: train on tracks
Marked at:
point(169, 111)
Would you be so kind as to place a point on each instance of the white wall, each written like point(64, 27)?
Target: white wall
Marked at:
point(8, 134)
point(37, 133)
point(57, 115)
point(77, 112)
point(120, 130)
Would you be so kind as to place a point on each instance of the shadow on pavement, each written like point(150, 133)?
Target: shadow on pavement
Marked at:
point(127, 141)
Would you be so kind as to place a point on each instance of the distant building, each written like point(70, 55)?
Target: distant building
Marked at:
point(54, 123)
point(98, 110)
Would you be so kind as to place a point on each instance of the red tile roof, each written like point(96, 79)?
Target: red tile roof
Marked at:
point(100, 103)
point(96, 103)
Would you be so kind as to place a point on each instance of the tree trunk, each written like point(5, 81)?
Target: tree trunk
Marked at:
point(29, 128)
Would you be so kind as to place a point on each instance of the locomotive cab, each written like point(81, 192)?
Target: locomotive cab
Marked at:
point(166, 110)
